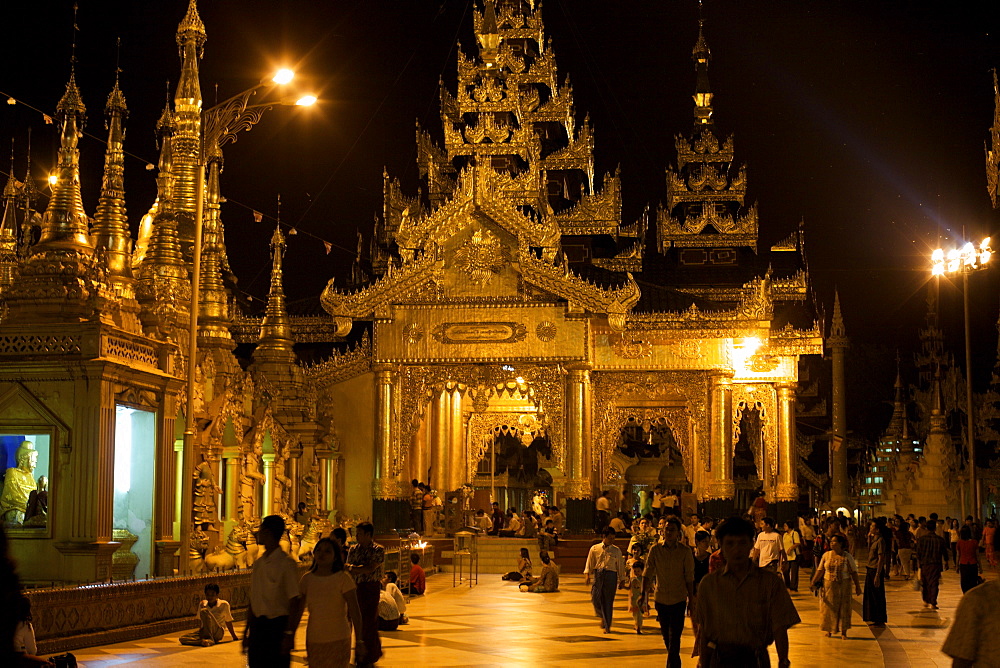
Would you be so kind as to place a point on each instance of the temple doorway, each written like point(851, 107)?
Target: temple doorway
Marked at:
point(512, 465)
point(747, 460)
point(134, 476)
point(648, 455)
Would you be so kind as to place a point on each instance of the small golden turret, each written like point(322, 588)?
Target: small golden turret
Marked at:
point(64, 224)
point(276, 342)
point(8, 230)
point(110, 230)
point(213, 303)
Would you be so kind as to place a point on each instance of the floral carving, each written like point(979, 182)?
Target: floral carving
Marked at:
point(545, 331)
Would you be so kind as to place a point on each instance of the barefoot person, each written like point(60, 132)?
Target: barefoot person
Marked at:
point(214, 617)
point(606, 570)
point(742, 608)
point(274, 593)
point(331, 597)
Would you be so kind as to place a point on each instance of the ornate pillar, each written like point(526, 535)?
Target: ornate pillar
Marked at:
point(786, 491)
point(838, 343)
point(578, 464)
point(232, 488)
point(720, 490)
point(166, 488)
point(457, 428)
point(418, 449)
point(439, 441)
point(388, 511)
point(268, 504)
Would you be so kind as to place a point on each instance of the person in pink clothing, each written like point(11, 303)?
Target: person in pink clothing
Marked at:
point(989, 535)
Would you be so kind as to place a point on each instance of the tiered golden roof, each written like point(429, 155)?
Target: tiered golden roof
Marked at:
point(110, 229)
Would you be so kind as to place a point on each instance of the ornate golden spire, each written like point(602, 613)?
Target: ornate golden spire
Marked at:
point(163, 256)
point(838, 333)
point(187, 107)
point(165, 128)
point(213, 311)
point(191, 27)
point(64, 224)
point(993, 149)
point(276, 331)
point(110, 220)
point(702, 90)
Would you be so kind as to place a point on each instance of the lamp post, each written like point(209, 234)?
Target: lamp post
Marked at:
point(966, 260)
point(220, 125)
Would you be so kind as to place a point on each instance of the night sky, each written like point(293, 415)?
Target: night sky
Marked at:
point(867, 120)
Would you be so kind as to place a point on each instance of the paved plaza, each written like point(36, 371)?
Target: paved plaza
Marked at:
point(494, 624)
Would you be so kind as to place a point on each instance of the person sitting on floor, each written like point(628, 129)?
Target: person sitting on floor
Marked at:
point(482, 521)
point(529, 525)
point(418, 579)
point(389, 617)
point(214, 617)
point(547, 537)
point(618, 525)
point(523, 572)
point(548, 580)
point(389, 581)
point(514, 524)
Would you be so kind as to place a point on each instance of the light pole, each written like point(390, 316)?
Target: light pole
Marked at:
point(220, 125)
point(966, 260)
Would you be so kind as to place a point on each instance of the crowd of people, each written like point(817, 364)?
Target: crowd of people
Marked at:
point(696, 568)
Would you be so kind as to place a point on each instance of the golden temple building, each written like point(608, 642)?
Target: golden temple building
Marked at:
point(503, 333)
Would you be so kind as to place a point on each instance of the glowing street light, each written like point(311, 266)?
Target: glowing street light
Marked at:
point(964, 261)
point(283, 76)
point(306, 101)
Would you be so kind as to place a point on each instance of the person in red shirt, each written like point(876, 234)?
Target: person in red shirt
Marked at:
point(968, 559)
point(418, 579)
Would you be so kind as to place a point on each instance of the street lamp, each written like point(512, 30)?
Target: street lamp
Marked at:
point(966, 260)
point(220, 125)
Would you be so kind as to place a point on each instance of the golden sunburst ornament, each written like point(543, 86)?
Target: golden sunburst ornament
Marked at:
point(481, 257)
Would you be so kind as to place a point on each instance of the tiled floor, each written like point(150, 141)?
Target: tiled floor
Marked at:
point(493, 624)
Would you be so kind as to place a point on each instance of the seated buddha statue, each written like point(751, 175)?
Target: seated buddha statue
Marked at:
point(18, 484)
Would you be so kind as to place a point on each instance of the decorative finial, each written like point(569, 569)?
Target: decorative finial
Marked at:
point(191, 27)
point(702, 90)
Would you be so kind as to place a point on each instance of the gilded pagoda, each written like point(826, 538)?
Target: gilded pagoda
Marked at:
point(503, 333)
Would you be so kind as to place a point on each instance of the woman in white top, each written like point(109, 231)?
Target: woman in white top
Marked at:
point(330, 595)
point(836, 570)
point(24, 633)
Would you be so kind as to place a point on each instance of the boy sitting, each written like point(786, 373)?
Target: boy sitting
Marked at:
point(213, 613)
point(418, 579)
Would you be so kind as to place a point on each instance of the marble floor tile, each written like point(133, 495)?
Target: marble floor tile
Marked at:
point(494, 624)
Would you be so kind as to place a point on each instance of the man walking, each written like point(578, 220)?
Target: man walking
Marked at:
point(931, 549)
point(606, 570)
point(742, 608)
point(671, 565)
point(767, 549)
point(274, 593)
point(791, 544)
point(603, 507)
point(364, 563)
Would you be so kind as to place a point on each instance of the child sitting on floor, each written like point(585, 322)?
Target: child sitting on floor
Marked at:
point(215, 617)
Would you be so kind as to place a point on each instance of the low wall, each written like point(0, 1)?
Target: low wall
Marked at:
point(99, 614)
point(68, 618)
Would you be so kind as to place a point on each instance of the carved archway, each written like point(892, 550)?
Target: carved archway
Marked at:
point(763, 399)
point(542, 386)
point(677, 419)
point(484, 428)
point(681, 393)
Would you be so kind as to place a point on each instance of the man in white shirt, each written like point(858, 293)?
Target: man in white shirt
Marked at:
point(274, 593)
point(214, 617)
point(657, 501)
point(389, 582)
point(606, 569)
point(691, 529)
point(767, 549)
point(603, 506)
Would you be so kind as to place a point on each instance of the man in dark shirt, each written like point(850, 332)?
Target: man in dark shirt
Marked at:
point(498, 519)
point(931, 549)
point(364, 563)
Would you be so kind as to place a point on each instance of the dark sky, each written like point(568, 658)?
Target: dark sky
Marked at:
point(865, 119)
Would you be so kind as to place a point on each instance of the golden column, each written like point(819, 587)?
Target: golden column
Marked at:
point(578, 465)
point(439, 440)
point(787, 488)
point(721, 488)
point(457, 429)
point(384, 485)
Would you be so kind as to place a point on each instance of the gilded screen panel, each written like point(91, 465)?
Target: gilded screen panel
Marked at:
point(482, 333)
